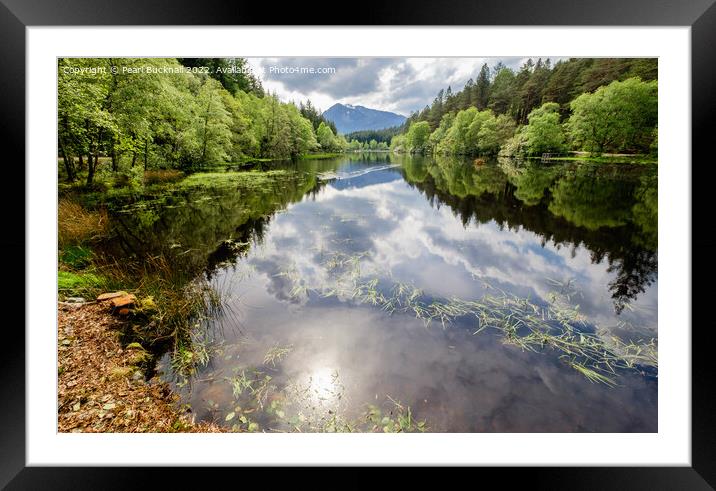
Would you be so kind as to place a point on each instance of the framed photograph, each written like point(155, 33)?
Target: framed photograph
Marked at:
point(428, 239)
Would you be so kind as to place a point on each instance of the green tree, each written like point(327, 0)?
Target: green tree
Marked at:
point(84, 117)
point(615, 118)
point(397, 144)
point(456, 138)
point(234, 74)
point(543, 132)
point(493, 133)
point(326, 138)
point(212, 125)
point(440, 132)
point(417, 137)
point(482, 88)
point(502, 90)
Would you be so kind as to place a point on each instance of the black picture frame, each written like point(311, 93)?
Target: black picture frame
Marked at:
point(16, 15)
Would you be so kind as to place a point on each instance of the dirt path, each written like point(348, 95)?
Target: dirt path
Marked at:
point(100, 384)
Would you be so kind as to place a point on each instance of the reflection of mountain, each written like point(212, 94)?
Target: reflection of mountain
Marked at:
point(378, 175)
point(610, 211)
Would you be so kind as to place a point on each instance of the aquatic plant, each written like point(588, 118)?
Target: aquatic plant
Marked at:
point(276, 353)
point(530, 325)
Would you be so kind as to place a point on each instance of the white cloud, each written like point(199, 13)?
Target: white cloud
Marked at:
point(399, 85)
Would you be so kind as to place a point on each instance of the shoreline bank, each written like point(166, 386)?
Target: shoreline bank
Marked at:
point(101, 384)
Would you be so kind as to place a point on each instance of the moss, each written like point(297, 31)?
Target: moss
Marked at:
point(319, 156)
point(72, 283)
point(76, 257)
point(244, 179)
point(139, 358)
point(121, 372)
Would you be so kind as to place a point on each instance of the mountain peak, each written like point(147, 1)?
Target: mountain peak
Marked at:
point(349, 118)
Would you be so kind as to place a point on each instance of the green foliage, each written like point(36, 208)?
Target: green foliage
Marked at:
point(645, 212)
point(544, 133)
point(385, 135)
point(76, 256)
point(619, 117)
point(355, 145)
point(312, 114)
point(234, 74)
point(84, 283)
point(117, 115)
point(417, 137)
point(397, 143)
point(328, 141)
point(516, 97)
point(591, 201)
point(471, 132)
point(440, 133)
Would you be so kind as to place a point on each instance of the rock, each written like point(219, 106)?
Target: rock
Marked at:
point(137, 376)
point(75, 300)
point(66, 306)
point(123, 311)
point(123, 301)
point(109, 296)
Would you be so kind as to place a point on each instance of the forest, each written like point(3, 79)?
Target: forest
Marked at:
point(594, 105)
point(194, 113)
point(226, 258)
point(185, 114)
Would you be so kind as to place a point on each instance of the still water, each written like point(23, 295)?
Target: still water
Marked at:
point(370, 284)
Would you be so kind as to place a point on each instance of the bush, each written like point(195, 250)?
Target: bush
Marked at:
point(162, 176)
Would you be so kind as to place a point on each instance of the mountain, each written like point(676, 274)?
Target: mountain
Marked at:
point(349, 118)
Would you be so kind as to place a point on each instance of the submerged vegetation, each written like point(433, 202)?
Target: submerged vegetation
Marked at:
point(530, 325)
point(255, 401)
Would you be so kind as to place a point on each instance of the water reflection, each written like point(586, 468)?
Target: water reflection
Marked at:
point(446, 229)
point(611, 210)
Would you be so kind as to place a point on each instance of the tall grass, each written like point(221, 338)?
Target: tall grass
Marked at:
point(76, 224)
point(161, 176)
point(171, 299)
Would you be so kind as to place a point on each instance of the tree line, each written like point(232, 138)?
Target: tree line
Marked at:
point(382, 135)
point(595, 105)
point(168, 113)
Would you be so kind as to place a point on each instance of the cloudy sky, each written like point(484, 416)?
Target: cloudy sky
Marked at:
point(399, 85)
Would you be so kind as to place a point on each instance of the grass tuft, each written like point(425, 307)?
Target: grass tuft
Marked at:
point(76, 224)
